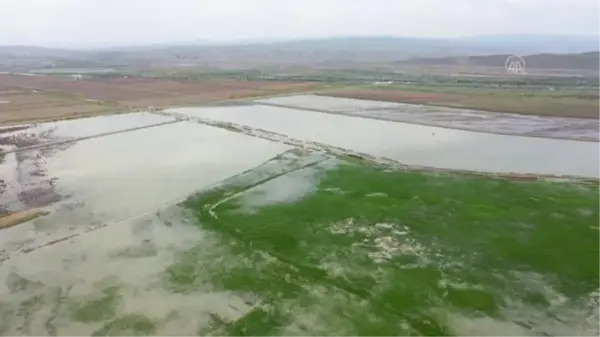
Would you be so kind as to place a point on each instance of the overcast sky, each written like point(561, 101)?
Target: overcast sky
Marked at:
point(87, 23)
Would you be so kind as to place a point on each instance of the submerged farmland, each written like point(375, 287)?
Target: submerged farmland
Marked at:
point(259, 220)
point(343, 247)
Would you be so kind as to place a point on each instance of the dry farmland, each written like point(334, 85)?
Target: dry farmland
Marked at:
point(25, 98)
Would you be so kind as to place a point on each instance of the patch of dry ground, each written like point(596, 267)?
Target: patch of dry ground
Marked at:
point(26, 104)
point(16, 218)
point(24, 98)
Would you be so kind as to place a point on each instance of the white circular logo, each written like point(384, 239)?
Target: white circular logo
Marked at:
point(515, 64)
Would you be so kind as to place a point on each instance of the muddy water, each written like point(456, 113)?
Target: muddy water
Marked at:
point(110, 178)
point(102, 251)
point(78, 287)
point(172, 159)
point(417, 144)
point(33, 134)
point(24, 179)
point(465, 119)
point(25, 182)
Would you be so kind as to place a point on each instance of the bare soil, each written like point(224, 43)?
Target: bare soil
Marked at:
point(43, 97)
point(16, 218)
point(27, 104)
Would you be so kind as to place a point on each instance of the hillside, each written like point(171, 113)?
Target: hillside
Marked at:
point(34, 51)
point(580, 61)
point(351, 49)
point(330, 52)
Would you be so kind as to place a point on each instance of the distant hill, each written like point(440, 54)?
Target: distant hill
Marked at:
point(476, 45)
point(534, 44)
point(22, 57)
point(580, 61)
point(37, 52)
point(337, 51)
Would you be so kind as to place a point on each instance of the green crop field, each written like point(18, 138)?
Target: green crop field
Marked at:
point(341, 247)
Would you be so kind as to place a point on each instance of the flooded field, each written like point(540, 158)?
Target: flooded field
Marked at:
point(126, 174)
point(166, 224)
point(108, 201)
point(417, 144)
point(336, 248)
point(31, 135)
point(464, 119)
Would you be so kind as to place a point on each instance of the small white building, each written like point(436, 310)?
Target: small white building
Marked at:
point(383, 83)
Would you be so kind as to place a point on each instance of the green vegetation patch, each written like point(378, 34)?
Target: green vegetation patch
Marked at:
point(97, 309)
point(128, 325)
point(372, 251)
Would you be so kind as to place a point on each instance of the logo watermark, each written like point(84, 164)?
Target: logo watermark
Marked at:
point(515, 65)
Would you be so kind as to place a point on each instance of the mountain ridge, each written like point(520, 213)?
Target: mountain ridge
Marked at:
point(589, 42)
point(341, 51)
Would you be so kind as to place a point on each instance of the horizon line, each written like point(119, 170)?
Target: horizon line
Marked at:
point(207, 42)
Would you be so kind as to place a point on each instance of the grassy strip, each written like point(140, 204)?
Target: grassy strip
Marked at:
point(376, 251)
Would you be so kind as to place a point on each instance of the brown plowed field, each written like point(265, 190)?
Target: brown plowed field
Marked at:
point(25, 97)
